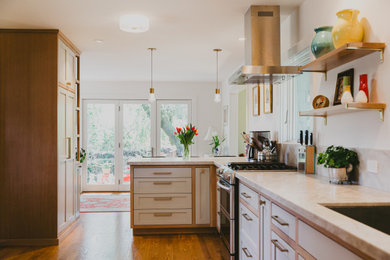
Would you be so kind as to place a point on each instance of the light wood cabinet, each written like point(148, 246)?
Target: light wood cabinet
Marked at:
point(320, 246)
point(38, 173)
point(67, 178)
point(172, 199)
point(67, 66)
point(202, 196)
point(254, 224)
point(280, 233)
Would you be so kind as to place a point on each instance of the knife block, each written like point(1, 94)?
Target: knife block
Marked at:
point(307, 159)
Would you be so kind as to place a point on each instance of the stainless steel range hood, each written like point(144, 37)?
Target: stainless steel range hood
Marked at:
point(262, 48)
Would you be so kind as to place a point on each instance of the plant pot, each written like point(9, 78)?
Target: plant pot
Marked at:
point(348, 28)
point(322, 42)
point(337, 175)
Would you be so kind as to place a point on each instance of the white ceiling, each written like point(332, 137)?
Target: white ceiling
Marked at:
point(183, 31)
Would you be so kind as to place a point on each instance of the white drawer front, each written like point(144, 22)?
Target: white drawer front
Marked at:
point(162, 185)
point(280, 249)
point(247, 250)
point(162, 172)
point(162, 201)
point(249, 196)
point(320, 246)
point(249, 225)
point(163, 217)
point(284, 221)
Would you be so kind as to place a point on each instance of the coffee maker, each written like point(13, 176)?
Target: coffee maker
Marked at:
point(257, 140)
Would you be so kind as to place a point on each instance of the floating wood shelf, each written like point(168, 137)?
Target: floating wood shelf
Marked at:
point(343, 109)
point(340, 56)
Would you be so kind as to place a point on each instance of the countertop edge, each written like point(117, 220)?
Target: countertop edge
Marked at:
point(353, 240)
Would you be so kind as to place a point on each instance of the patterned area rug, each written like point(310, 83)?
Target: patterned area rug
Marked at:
point(105, 202)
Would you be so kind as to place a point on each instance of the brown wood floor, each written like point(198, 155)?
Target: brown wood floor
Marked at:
point(108, 236)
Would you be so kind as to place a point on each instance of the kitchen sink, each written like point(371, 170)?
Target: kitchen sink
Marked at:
point(374, 216)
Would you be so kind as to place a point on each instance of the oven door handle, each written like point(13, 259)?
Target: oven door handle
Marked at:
point(223, 186)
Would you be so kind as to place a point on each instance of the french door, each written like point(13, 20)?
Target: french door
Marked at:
point(117, 130)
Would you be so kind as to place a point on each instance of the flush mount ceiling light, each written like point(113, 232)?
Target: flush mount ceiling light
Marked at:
point(217, 97)
point(134, 23)
point(152, 96)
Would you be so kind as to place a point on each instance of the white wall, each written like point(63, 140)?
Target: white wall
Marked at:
point(360, 130)
point(205, 112)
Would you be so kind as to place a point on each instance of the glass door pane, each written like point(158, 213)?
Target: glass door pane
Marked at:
point(101, 135)
point(172, 114)
point(136, 135)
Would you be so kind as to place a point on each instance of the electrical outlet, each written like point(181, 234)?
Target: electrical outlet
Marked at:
point(372, 166)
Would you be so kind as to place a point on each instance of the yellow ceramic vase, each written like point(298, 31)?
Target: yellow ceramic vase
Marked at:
point(347, 28)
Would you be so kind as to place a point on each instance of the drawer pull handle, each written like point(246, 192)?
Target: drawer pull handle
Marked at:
point(68, 83)
point(162, 173)
point(162, 183)
point(279, 220)
point(247, 217)
point(246, 252)
point(245, 195)
point(162, 198)
point(278, 246)
point(162, 214)
point(262, 202)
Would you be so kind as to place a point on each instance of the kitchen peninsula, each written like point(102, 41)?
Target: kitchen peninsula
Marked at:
point(169, 195)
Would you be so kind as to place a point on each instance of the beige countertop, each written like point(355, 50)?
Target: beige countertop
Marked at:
point(305, 194)
point(218, 161)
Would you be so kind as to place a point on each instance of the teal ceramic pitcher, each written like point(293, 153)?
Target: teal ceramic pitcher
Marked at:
point(322, 42)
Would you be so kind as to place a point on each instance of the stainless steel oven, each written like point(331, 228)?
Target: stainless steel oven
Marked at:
point(227, 214)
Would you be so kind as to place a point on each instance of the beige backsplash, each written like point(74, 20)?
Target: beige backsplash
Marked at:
point(380, 180)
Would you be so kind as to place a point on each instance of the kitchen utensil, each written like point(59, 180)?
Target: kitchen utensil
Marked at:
point(306, 137)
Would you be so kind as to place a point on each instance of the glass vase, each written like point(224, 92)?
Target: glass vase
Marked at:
point(186, 152)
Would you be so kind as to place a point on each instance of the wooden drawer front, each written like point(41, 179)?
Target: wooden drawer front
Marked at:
point(162, 201)
point(249, 225)
point(162, 185)
point(249, 196)
point(162, 172)
point(320, 246)
point(247, 250)
point(283, 220)
point(163, 217)
point(280, 249)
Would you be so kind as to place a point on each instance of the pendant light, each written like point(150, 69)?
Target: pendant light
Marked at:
point(217, 97)
point(152, 96)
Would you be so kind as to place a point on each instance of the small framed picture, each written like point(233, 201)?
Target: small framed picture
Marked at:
point(225, 115)
point(267, 98)
point(339, 85)
point(256, 100)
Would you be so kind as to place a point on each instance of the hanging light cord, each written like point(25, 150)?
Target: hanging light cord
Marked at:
point(151, 66)
point(217, 69)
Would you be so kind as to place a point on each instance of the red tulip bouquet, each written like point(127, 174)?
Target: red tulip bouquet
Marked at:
point(185, 135)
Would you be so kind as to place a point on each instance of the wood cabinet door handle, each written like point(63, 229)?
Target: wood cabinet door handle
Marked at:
point(162, 173)
point(246, 216)
point(162, 183)
point(245, 195)
point(246, 252)
point(279, 246)
point(68, 83)
point(162, 198)
point(162, 214)
point(279, 220)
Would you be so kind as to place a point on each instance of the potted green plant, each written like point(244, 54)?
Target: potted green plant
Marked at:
point(216, 143)
point(185, 135)
point(339, 161)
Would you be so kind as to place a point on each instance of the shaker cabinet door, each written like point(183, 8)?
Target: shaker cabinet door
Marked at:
point(202, 196)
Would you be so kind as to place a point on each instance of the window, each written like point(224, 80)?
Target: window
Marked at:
point(295, 97)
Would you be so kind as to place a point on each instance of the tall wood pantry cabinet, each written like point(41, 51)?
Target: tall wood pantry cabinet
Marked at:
point(39, 136)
